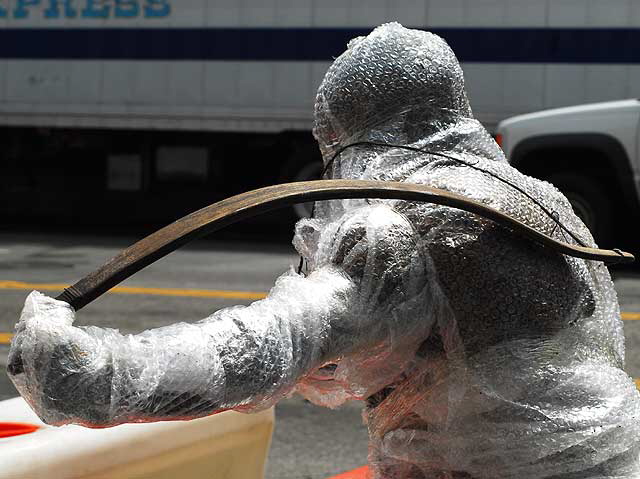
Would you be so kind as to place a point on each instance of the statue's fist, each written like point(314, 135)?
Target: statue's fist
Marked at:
point(56, 366)
point(41, 324)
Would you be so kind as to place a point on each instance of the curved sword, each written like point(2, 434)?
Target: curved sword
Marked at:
point(255, 202)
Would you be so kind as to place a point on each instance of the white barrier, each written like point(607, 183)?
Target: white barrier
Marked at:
point(229, 445)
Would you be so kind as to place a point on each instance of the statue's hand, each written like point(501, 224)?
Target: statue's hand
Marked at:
point(42, 319)
point(63, 372)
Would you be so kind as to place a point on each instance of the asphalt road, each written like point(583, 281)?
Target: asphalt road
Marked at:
point(309, 442)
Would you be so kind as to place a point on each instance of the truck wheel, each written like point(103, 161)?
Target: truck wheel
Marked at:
point(590, 202)
point(310, 171)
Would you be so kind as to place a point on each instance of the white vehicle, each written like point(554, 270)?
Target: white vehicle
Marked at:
point(590, 152)
point(168, 102)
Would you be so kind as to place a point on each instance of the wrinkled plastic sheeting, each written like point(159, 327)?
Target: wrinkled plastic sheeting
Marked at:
point(522, 373)
point(479, 354)
point(243, 358)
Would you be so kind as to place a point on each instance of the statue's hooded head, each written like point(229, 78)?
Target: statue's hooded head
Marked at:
point(395, 85)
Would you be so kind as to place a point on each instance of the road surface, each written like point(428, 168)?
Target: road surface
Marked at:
point(309, 442)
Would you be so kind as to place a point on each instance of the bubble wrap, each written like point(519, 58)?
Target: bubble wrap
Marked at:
point(479, 355)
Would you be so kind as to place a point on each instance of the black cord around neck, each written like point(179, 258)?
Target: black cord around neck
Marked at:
point(551, 214)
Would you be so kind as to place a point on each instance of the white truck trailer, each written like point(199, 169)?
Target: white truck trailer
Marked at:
point(141, 110)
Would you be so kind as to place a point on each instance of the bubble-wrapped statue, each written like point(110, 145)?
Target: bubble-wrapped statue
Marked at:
point(479, 354)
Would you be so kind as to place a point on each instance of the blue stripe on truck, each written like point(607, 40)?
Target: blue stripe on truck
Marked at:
point(508, 45)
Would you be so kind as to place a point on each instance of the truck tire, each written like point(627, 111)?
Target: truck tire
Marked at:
point(303, 163)
point(591, 203)
point(310, 171)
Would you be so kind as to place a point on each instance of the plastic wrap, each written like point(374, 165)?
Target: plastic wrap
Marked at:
point(521, 375)
point(243, 357)
point(479, 354)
